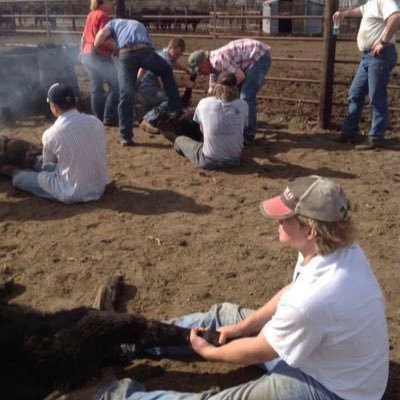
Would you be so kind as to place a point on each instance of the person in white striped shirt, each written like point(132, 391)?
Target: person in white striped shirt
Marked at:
point(73, 165)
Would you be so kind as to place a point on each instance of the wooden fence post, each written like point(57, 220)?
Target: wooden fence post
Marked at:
point(328, 66)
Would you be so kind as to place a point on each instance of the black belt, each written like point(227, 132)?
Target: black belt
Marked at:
point(133, 47)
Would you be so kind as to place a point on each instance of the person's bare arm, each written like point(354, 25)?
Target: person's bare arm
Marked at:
point(339, 16)
point(253, 324)
point(140, 75)
point(101, 37)
point(246, 351)
point(392, 25)
point(240, 76)
point(178, 66)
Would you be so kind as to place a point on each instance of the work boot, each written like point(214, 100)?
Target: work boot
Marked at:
point(126, 142)
point(344, 139)
point(371, 144)
point(108, 296)
point(148, 127)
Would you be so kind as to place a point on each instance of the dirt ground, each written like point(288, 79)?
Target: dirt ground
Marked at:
point(186, 238)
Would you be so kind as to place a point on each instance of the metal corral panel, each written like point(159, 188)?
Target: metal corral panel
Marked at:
point(270, 7)
point(314, 26)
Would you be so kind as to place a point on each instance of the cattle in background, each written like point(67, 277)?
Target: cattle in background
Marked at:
point(167, 19)
point(7, 22)
point(45, 21)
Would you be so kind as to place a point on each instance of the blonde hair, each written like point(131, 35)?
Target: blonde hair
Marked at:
point(95, 4)
point(226, 93)
point(330, 236)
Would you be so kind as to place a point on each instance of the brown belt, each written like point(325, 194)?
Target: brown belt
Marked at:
point(133, 48)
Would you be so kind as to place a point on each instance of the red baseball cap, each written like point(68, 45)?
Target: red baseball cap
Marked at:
point(311, 196)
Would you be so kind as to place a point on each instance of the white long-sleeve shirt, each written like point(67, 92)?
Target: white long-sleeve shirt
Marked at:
point(76, 142)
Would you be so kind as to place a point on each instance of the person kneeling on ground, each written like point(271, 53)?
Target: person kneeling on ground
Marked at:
point(73, 165)
point(151, 96)
point(222, 119)
point(324, 336)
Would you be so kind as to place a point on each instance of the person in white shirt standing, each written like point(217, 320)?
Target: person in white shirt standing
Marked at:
point(377, 42)
point(324, 336)
point(73, 166)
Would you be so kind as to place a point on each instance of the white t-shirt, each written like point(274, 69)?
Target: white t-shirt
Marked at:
point(375, 13)
point(331, 325)
point(223, 126)
point(77, 144)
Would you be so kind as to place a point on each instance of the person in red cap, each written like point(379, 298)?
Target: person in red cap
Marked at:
point(324, 336)
point(249, 59)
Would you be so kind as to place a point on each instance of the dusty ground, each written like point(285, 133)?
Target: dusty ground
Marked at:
point(186, 239)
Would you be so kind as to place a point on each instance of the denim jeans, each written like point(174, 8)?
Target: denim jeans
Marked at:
point(27, 180)
point(252, 83)
point(155, 100)
point(193, 151)
point(102, 69)
point(129, 64)
point(280, 382)
point(371, 79)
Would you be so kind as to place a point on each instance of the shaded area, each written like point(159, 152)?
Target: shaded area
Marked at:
point(123, 199)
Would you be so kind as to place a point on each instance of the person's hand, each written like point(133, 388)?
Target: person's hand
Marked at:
point(197, 342)
point(189, 84)
point(377, 49)
point(229, 332)
point(338, 17)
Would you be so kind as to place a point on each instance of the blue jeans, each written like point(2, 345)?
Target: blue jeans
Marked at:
point(102, 69)
point(193, 151)
point(280, 382)
point(129, 64)
point(155, 101)
point(371, 79)
point(27, 180)
point(255, 78)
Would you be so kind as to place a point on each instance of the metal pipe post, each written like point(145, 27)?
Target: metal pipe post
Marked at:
point(328, 66)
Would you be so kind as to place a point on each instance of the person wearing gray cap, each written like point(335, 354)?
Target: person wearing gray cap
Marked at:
point(222, 119)
point(73, 165)
point(323, 336)
point(249, 60)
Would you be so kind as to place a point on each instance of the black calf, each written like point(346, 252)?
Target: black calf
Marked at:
point(43, 352)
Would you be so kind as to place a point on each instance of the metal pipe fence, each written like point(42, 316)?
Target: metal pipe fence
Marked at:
point(328, 46)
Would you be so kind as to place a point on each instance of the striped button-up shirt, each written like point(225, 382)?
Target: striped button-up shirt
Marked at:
point(238, 54)
point(76, 143)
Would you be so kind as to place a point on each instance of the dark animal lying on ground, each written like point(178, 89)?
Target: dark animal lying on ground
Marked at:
point(43, 352)
point(182, 126)
point(17, 152)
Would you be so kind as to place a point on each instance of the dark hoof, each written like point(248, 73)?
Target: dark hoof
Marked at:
point(211, 336)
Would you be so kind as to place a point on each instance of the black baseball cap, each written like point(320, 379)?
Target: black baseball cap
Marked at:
point(61, 94)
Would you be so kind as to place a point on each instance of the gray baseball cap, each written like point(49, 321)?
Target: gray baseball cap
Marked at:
point(196, 59)
point(310, 196)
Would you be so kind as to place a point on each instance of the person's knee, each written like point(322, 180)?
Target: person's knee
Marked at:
point(17, 178)
point(225, 308)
